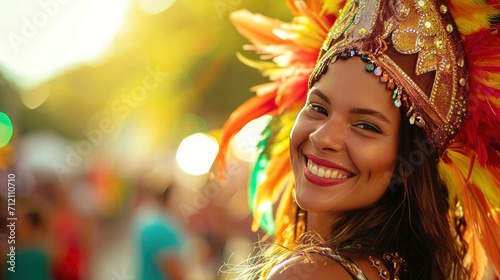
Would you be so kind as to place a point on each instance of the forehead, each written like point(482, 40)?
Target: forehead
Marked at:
point(347, 82)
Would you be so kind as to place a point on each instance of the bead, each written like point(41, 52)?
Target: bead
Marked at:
point(420, 41)
point(353, 52)
point(362, 31)
point(427, 24)
point(395, 94)
point(461, 62)
point(449, 28)
point(390, 84)
point(443, 9)
point(369, 67)
point(419, 121)
point(365, 58)
point(462, 81)
point(334, 59)
point(345, 55)
point(397, 102)
point(377, 71)
point(412, 119)
point(421, 3)
point(404, 12)
point(439, 43)
point(384, 78)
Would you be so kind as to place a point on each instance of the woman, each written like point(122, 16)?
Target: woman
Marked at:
point(394, 155)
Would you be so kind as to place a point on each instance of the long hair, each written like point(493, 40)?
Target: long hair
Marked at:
point(412, 218)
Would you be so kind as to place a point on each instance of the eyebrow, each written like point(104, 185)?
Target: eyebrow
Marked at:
point(365, 111)
point(320, 95)
point(354, 111)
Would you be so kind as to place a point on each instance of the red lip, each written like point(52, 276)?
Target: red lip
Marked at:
point(326, 182)
point(326, 163)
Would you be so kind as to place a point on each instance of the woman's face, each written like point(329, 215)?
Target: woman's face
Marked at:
point(345, 140)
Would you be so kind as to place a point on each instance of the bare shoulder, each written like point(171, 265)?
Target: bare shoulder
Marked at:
point(313, 266)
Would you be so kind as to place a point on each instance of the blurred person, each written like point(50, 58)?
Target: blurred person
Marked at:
point(32, 255)
point(158, 237)
point(71, 231)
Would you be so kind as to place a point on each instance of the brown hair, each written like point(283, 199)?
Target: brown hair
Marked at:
point(412, 218)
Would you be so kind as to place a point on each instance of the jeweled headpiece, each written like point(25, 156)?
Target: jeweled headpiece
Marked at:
point(441, 62)
point(384, 32)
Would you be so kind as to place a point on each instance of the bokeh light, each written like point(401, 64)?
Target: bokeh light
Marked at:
point(6, 129)
point(197, 153)
point(245, 142)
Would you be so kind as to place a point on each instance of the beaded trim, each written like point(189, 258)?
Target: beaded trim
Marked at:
point(398, 264)
point(398, 94)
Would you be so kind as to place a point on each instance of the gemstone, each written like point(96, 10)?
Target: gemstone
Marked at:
point(449, 28)
point(377, 71)
point(421, 3)
point(334, 58)
point(443, 9)
point(395, 94)
point(390, 85)
point(412, 119)
point(365, 58)
point(420, 122)
point(427, 24)
point(439, 43)
point(462, 81)
point(345, 55)
point(461, 62)
point(397, 102)
point(370, 67)
point(353, 52)
point(384, 78)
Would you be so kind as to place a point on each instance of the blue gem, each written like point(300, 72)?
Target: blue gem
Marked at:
point(397, 102)
point(353, 52)
point(365, 58)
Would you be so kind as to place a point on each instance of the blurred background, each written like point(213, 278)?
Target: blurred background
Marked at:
point(105, 105)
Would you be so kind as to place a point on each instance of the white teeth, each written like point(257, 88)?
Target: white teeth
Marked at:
point(328, 172)
point(325, 172)
point(314, 170)
point(321, 172)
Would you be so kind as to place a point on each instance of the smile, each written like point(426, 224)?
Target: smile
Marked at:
point(326, 172)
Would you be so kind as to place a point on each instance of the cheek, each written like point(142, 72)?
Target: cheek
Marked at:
point(376, 161)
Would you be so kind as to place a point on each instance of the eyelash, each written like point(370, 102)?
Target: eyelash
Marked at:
point(368, 127)
point(317, 108)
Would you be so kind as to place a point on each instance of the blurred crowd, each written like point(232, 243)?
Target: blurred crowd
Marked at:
point(109, 222)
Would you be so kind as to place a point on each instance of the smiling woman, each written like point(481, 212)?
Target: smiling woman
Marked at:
point(67, 33)
point(393, 174)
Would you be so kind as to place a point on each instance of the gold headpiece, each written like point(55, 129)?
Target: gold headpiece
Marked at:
point(415, 48)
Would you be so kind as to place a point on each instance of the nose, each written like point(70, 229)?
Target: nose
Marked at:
point(329, 136)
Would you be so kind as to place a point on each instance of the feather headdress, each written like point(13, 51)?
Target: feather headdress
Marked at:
point(469, 161)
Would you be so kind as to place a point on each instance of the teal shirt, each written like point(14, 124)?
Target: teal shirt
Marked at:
point(156, 236)
point(31, 263)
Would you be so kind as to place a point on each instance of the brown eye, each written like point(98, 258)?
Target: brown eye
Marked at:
point(317, 108)
point(368, 127)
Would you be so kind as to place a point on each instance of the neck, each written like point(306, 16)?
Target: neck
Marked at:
point(320, 223)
